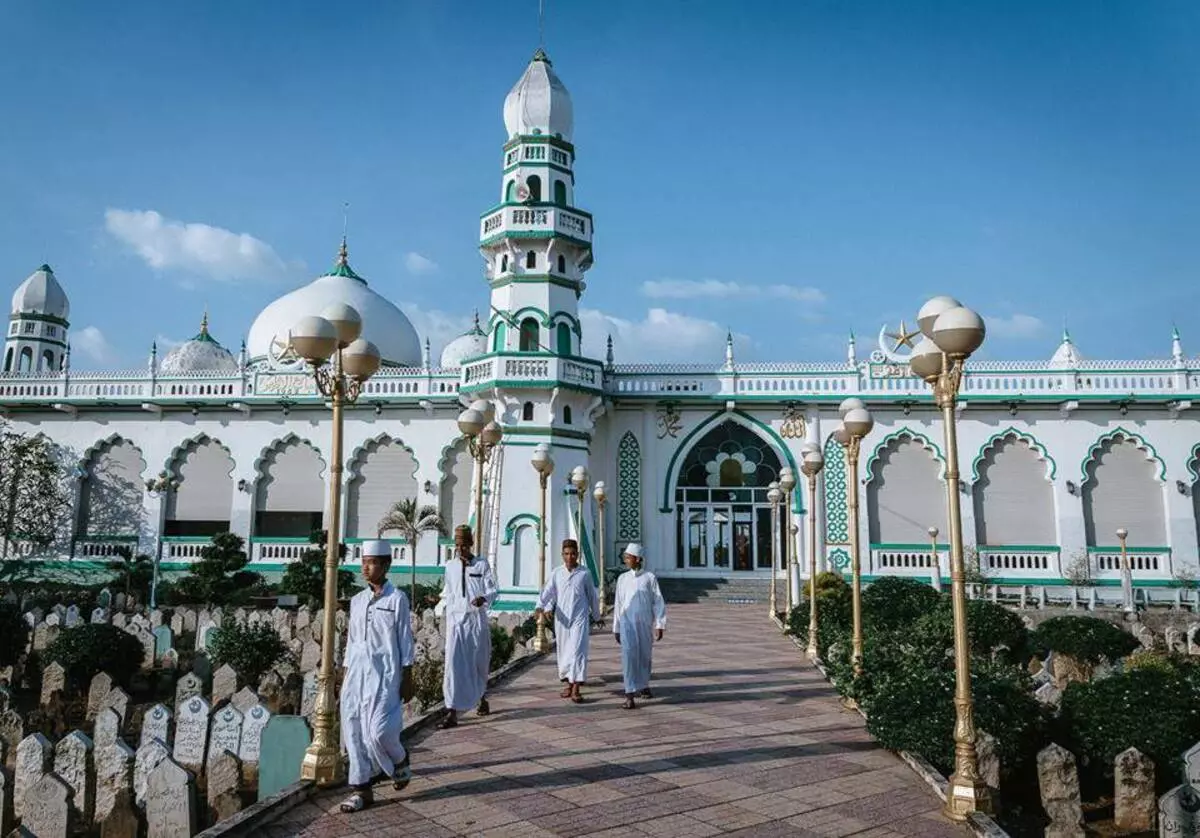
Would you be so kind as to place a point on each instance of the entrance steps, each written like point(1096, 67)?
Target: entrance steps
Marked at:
point(726, 591)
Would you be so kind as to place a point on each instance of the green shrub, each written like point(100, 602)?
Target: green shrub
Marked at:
point(14, 634)
point(252, 650)
point(1086, 639)
point(895, 602)
point(503, 644)
point(427, 682)
point(218, 577)
point(305, 577)
point(993, 630)
point(1154, 710)
point(425, 597)
point(834, 607)
point(87, 649)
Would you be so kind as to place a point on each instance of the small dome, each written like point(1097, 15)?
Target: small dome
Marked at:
point(1066, 357)
point(40, 293)
point(539, 103)
point(200, 354)
point(383, 323)
point(467, 345)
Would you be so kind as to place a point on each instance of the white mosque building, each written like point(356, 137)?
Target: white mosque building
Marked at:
point(1055, 455)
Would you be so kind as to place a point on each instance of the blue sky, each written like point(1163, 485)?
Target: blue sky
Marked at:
point(787, 170)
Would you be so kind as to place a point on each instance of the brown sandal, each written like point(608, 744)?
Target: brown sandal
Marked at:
point(577, 698)
point(567, 690)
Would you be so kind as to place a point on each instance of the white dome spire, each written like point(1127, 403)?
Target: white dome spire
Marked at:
point(539, 103)
point(1066, 357)
point(40, 293)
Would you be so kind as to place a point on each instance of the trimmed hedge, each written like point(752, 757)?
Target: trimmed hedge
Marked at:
point(252, 650)
point(91, 648)
point(1086, 639)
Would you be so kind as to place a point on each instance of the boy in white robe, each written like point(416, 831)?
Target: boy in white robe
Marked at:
point(378, 679)
point(468, 592)
point(639, 613)
point(570, 595)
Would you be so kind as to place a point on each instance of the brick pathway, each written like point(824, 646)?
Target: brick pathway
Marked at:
point(742, 738)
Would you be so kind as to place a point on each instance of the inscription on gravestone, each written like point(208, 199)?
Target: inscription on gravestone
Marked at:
point(191, 733)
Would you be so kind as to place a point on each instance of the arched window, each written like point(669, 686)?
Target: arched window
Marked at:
point(562, 264)
point(504, 263)
point(560, 193)
point(8, 360)
point(26, 364)
point(510, 191)
point(566, 414)
point(527, 412)
point(47, 360)
point(534, 184)
point(498, 338)
point(530, 260)
point(905, 495)
point(563, 333)
point(529, 335)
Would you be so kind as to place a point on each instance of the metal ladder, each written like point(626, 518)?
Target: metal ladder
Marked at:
point(491, 535)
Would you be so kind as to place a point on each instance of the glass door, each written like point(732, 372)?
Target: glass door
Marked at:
point(697, 538)
point(722, 537)
point(743, 538)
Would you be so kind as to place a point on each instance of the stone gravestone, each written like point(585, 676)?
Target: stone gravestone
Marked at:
point(119, 620)
point(308, 695)
point(176, 623)
point(191, 733)
point(54, 680)
point(170, 659)
point(253, 723)
point(244, 699)
point(163, 640)
point(224, 684)
point(189, 686)
point(12, 729)
point(226, 733)
point(147, 759)
point(99, 616)
point(1191, 765)
point(189, 619)
point(73, 765)
point(1179, 812)
point(118, 700)
point(101, 686)
point(114, 777)
point(170, 801)
point(988, 758)
point(72, 618)
point(35, 757)
point(144, 637)
point(284, 741)
point(1134, 801)
point(46, 810)
point(224, 786)
point(1058, 781)
point(107, 728)
point(156, 724)
point(310, 656)
point(156, 618)
point(202, 635)
point(121, 820)
point(5, 802)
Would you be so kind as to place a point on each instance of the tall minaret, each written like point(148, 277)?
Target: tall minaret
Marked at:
point(536, 244)
point(36, 341)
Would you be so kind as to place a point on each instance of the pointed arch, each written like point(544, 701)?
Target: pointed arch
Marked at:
point(180, 452)
point(201, 502)
point(1012, 493)
point(998, 440)
point(456, 470)
point(382, 471)
point(1193, 463)
point(905, 491)
point(752, 424)
point(111, 497)
point(278, 443)
point(289, 492)
point(629, 488)
point(899, 436)
point(1115, 435)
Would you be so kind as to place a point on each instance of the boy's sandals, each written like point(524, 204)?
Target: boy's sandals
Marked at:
point(567, 691)
point(402, 777)
point(484, 708)
point(356, 802)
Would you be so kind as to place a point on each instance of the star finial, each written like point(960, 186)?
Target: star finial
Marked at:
point(904, 337)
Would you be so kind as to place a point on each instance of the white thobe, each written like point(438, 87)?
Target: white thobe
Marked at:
point(379, 646)
point(468, 634)
point(571, 596)
point(638, 609)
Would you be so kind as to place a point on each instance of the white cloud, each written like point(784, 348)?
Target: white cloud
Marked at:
point(683, 289)
point(418, 264)
point(165, 344)
point(439, 326)
point(661, 336)
point(1015, 326)
point(92, 343)
point(200, 249)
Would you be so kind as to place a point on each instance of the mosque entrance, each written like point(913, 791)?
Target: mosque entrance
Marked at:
point(723, 517)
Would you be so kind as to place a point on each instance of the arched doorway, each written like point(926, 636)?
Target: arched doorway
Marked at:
point(723, 518)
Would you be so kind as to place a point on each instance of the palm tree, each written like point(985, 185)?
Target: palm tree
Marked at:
point(412, 522)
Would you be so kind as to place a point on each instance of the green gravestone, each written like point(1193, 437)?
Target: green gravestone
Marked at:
point(284, 741)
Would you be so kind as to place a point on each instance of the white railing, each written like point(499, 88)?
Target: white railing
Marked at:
point(183, 551)
point(399, 551)
point(266, 551)
point(536, 219)
point(906, 561)
point(103, 548)
point(535, 368)
point(1019, 561)
point(1142, 563)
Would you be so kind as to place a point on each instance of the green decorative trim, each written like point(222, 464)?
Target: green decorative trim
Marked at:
point(837, 512)
point(541, 432)
point(38, 339)
point(1193, 465)
point(107, 538)
point(403, 542)
point(750, 423)
point(1160, 551)
point(185, 539)
point(41, 318)
point(908, 547)
point(589, 557)
point(896, 436)
point(839, 558)
point(629, 488)
point(997, 440)
point(515, 523)
point(533, 205)
point(1051, 582)
point(520, 313)
point(534, 234)
point(521, 444)
point(265, 539)
point(1018, 548)
point(1109, 436)
point(529, 384)
point(539, 164)
point(570, 318)
point(534, 279)
point(539, 139)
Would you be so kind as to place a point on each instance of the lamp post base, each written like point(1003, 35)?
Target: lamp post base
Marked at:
point(541, 640)
point(811, 651)
point(965, 796)
point(323, 765)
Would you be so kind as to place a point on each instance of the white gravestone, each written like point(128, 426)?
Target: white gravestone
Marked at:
point(254, 721)
point(118, 700)
point(1179, 812)
point(46, 808)
point(191, 733)
point(145, 761)
point(101, 685)
point(226, 733)
point(107, 728)
point(73, 765)
point(114, 772)
point(189, 686)
point(170, 801)
point(156, 724)
point(35, 757)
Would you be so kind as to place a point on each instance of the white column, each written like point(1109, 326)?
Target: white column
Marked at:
point(1181, 528)
point(151, 524)
point(1072, 535)
point(241, 512)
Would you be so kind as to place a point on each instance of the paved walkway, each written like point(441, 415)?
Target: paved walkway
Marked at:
point(742, 738)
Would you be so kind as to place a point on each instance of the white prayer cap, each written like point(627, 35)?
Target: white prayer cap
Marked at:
point(634, 549)
point(377, 549)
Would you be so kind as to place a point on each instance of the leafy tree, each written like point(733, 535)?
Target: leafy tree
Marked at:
point(33, 492)
point(218, 576)
point(412, 521)
point(14, 633)
point(305, 577)
point(135, 571)
point(90, 648)
point(250, 649)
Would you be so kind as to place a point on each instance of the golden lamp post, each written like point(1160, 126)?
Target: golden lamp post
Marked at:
point(811, 466)
point(543, 464)
point(787, 482)
point(579, 479)
point(478, 424)
point(857, 422)
point(937, 562)
point(341, 362)
point(951, 333)
point(1126, 573)
point(600, 493)
point(775, 497)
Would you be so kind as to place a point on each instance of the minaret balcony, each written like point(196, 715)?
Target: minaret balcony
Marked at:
point(530, 369)
point(535, 221)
